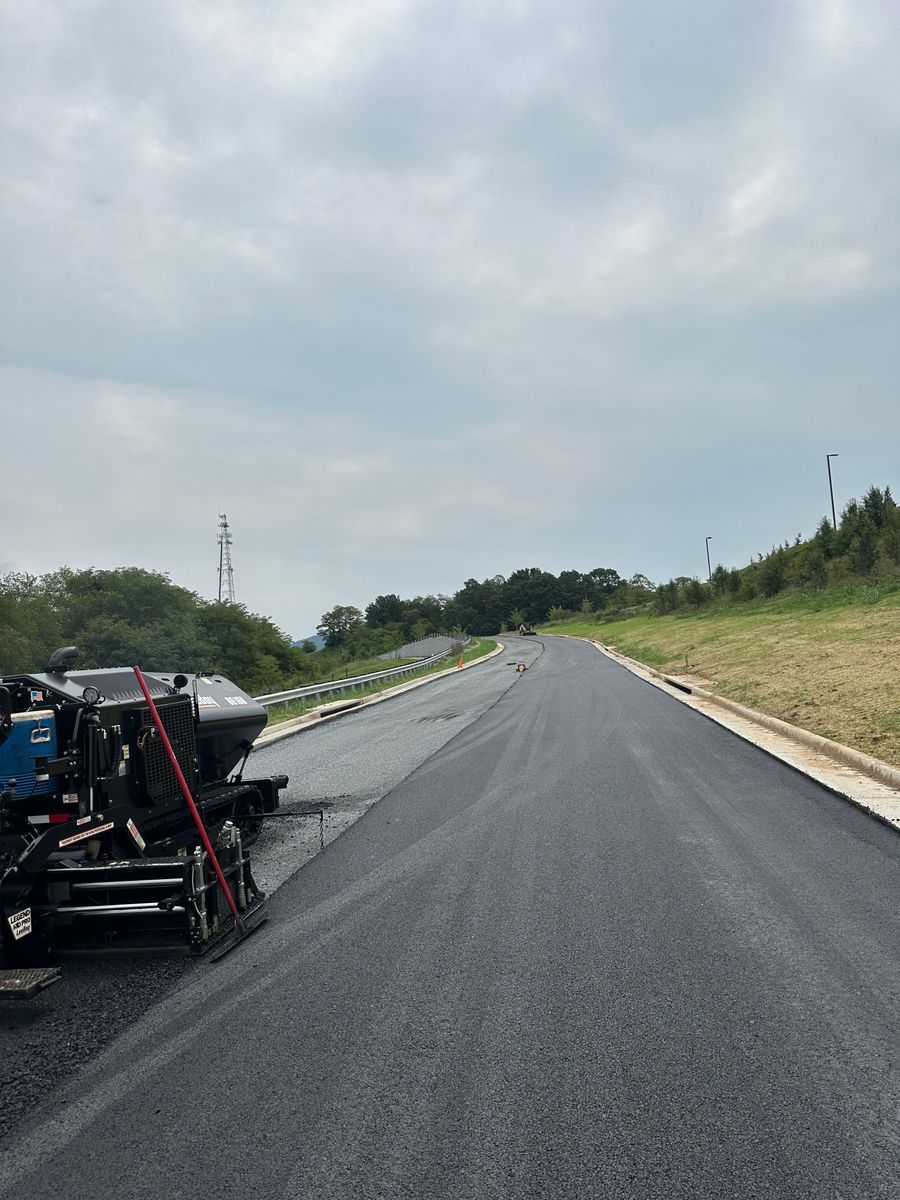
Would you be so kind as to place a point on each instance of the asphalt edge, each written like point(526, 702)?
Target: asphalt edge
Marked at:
point(881, 773)
point(319, 716)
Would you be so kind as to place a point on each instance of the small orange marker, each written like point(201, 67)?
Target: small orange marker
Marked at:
point(460, 663)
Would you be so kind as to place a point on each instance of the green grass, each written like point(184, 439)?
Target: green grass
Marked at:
point(296, 708)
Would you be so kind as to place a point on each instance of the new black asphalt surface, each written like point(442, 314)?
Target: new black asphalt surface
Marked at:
point(594, 946)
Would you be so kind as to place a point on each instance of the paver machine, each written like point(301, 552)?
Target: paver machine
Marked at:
point(98, 846)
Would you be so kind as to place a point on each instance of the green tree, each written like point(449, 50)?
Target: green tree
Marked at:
point(889, 540)
point(384, 611)
point(478, 607)
point(29, 624)
point(876, 504)
point(666, 598)
point(606, 579)
point(719, 580)
point(847, 530)
point(243, 644)
point(695, 593)
point(572, 588)
point(826, 538)
point(863, 549)
point(337, 625)
point(816, 569)
point(532, 591)
point(641, 586)
point(559, 614)
point(773, 571)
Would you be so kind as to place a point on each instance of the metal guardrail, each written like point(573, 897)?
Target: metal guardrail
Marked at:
point(423, 648)
point(315, 691)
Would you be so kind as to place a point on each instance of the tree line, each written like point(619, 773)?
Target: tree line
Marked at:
point(131, 615)
point(486, 607)
point(865, 546)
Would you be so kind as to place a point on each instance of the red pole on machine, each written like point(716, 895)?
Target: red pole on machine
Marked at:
point(198, 821)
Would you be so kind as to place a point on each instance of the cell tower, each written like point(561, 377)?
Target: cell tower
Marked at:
point(226, 570)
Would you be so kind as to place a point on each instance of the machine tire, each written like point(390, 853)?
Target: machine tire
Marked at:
point(248, 816)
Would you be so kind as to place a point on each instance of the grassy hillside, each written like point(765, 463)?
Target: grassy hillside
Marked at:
point(828, 661)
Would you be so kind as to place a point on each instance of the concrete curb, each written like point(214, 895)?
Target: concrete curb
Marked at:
point(884, 805)
point(316, 716)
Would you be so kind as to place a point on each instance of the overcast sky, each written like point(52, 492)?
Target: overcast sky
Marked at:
point(419, 291)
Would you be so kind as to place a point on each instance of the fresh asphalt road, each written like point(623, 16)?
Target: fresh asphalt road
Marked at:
point(351, 762)
point(593, 946)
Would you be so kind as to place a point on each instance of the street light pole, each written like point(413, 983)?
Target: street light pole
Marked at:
point(708, 565)
point(828, 458)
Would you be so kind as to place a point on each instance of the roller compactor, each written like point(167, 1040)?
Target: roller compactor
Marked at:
point(98, 848)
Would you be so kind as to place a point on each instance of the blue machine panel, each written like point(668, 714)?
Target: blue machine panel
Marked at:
point(33, 736)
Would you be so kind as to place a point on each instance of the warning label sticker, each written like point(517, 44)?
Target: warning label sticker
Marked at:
point(87, 833)
point(136, 834)
point(20, 923)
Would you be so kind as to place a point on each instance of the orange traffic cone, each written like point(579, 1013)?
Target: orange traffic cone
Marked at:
point(459, 664)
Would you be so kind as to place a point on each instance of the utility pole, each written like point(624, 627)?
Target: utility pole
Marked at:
point(226, 571)
point(828, 458)
point(708, 564)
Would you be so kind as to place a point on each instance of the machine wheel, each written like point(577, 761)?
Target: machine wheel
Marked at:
point(248, 815)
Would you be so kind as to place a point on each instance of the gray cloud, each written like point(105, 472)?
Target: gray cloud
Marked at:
point(419, 292)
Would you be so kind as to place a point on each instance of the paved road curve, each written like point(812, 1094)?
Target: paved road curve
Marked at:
point(595, 946)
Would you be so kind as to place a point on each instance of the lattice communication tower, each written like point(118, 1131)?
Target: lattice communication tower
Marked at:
point(226, 570)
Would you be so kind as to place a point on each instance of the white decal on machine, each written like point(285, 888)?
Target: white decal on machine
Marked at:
point(20, 923)
point(136, 834)
point(87, 833)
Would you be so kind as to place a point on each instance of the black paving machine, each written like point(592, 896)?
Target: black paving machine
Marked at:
point(113, 787)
